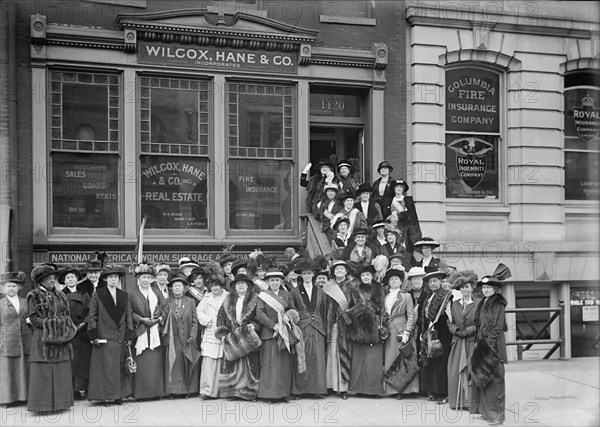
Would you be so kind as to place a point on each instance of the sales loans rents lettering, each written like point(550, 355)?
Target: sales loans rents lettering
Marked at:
point(217, 59)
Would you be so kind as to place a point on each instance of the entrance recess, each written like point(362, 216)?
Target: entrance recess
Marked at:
point(344, 142)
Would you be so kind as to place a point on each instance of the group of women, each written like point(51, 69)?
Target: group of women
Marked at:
point(343, 329)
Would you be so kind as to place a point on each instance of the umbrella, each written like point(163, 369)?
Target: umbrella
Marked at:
point(191, 356)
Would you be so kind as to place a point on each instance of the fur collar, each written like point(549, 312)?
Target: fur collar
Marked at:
point(248, 307)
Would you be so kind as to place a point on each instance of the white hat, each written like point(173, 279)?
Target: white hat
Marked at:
point(186, 262)
point(415, 271)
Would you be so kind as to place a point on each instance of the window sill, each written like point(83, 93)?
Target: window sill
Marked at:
point(477, 210)
point(327, 19)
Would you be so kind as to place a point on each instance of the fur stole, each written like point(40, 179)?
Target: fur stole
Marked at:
point(366, 313)
point(52, 306)
point(436, 303)
point(483, 363)
point(227, 321)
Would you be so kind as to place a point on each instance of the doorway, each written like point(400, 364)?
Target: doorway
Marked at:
point(343, 142)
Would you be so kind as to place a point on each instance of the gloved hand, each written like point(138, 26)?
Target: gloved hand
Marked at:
point(405, 337)
point(460, 333)
point(329, 177)
point(191, 340)
point(146, 321)
point(307, 168)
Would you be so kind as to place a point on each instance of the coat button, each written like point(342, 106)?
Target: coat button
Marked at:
point(119, 341)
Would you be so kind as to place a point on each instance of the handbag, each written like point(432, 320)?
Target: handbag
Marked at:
point(383, 331)
point(240, 342)
point(130, 365)
point(434, 347)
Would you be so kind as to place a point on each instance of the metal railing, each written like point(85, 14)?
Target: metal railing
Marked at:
point(557, 312)
point(312, 237)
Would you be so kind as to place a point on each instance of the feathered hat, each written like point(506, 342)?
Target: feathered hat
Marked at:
point(461, 278)
point(502, 272)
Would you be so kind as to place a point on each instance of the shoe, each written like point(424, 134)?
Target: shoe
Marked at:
point(298, 397)
point(442, 401)
point(431, 397)
point(285, 399)
point(344, 395)
point(496, 423)
point(398, 396)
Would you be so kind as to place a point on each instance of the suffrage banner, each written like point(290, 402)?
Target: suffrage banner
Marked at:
point(215, 58)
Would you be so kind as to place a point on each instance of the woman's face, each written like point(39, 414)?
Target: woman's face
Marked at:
point(70, 280)
point(307, 276)
point(360, 239)
point(242, 270)
point(241, 287)
point(93, 276)
point(339, 271)
point(325, 170)
point(435, 283)
point(384, 171)
point(261, 273)
point(366, 277)
point(446, 284)
point(162, 277)
point(344, 171)
point(391, 238)
point(348, 203)
point(396, 264)
point(227, 267)
point(331, 194)
point(488, 290)
point(48, 282)
point(321, 279)
point(399, 190)
point(145, 280)
point(112, 280)
point(466, 290)
point(342, 227)
point(216, 289)
point(11, 289)
point(274, 283)
point(416, 282)
point(365, 196)
point(198, 281)
point(426, 250)
point(394, 282)
point(177, 288)
point(379, 231)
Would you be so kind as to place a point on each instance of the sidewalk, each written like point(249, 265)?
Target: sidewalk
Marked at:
point(544, 393)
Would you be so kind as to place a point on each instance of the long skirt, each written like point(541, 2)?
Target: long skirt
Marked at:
point(179, 380)
point(490, 401)
point(459, 391)
point(108, 379)
point(240, 377)
point(366, 369)
point(148, 380)
point(50, 386)
point(209, 376)
point(275, 371)
point(14, 372)
point(314, 380)
point(435, 376)
point(334, 376)
point(392, 351)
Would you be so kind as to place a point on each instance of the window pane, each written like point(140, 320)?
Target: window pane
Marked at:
point(472, 166)
point(260, 197)
point(582, 119)
point(530, 323)
point(85, 112)
point(582, 176)
point(174, 192)
point(174, 116)
point(85, 190)
point(261, 120)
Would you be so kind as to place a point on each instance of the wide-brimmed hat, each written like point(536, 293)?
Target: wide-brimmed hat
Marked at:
point(359, 231)
point(144, 268)
point(415, 271)
point(502, 272)
point(338, 263)
point(239, 263)
point(400, 182)
point(333, 187)
point(69, 269)
point(214, 279)
point(274, 272)
point(93, 265)
point(241, 278)
point(365, 187)
point(113, 269)
point(366, 269)
point(393, 272)
point(344, 163)
point(402, 257)
point(178, 277)
point(427, 241)
point(196, 271)
point(322, 273)
point(304, 264)
point(339, 221)
point(227, 258)
point(346, 194)
point(461, 278)
point(385, 164)
point(163, 267)
point(43, 270)
point(17, 277)
point(436, 273)
point(187, 262)
point(325, 162)
point(378, 224)
point(389, 228)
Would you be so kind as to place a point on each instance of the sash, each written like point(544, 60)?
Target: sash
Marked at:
point(195, 293)
point(352, 218)
point(333, 290)
point(276, 304)
point(263, 286)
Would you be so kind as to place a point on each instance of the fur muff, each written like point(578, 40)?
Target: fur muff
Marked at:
point(240, 337)
point(483, 363)
point(240, 342)
point(364, 328)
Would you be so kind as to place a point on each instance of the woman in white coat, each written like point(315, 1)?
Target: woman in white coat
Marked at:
point(211, 347)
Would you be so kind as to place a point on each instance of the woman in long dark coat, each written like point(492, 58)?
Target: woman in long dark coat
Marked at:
point(79, 305)
point(181, 331)
point(110, 319)
point(382, 187)
point(240, 377)
point(434, 378)
point(489, 355)
point(50, 382)
point(365, 312)
point(275, 362)
point(15, 341)
point(150, 311)
point(462, 327)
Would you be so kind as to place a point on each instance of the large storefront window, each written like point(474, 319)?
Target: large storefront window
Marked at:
point(260, 134)
point(472, 133)
point(174, 141)
point(84, 157)
point(582, 142)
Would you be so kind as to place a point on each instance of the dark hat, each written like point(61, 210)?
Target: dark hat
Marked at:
point(344, 163)
point(339, 221)
point(41, 271)
point(365, 187)
point(502, 272)
point(227, 258)
point(214, 279)
point(93, 265)
point(325, 162)
point(360, 231)
point(337, 263)
point(274, 272)
point(17, 277)
point(322, 273)
point(304, 264)
point(178, 277)
point(239, 263)
point(346, 194)
point(333, 187)
point(427, 241)
point(366, 269)
point(241, 278)
point(436, 273)
point(461, 278)
point(163, 267)
point(144, 268)
point(113, 269)
point(378, 224)
point(187, 262)
point(389, 228)
point(402, 257)
point(400, 182)
point(393, 272)
point(385, 164)
point(69, 269)
point(196, 271)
